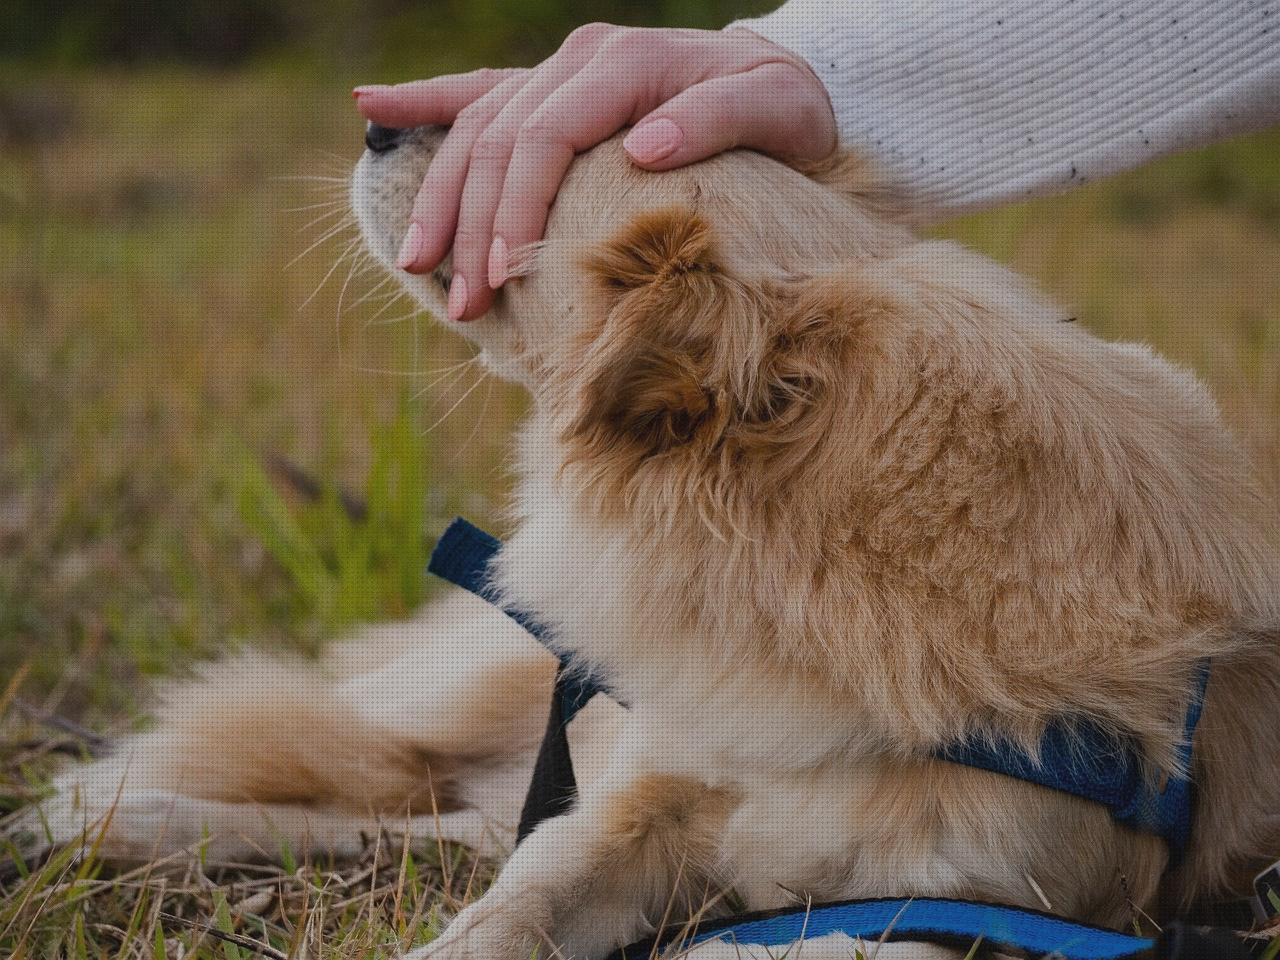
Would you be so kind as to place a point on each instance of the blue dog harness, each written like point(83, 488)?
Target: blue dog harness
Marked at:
point(1078, 758)
point(952, 923)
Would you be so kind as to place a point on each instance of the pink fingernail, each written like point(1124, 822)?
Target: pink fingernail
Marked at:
point(654, 140)
point(457, 298)
point(497, 263)
point(411, 249)
point(358, 92)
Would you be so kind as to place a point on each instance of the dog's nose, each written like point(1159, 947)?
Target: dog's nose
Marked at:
point(380, 139)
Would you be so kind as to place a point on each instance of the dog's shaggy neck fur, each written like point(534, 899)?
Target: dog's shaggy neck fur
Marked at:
point(906, 478)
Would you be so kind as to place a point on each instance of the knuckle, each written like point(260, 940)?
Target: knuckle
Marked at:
point(791, 79)
point(633, 45)
point(539, 130)
point(470, 120)
point(495, 75)
point(491, 147)
point(586, 37)
point(441, 186)
point(714, 100)
point(469, 236)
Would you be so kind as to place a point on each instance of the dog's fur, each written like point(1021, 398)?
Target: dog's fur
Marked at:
point(816, 496)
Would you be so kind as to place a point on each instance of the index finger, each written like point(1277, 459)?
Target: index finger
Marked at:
point(437, 100)
point(588, 109)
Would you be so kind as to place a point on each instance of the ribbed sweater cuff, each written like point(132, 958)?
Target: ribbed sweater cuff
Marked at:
point(968, 105)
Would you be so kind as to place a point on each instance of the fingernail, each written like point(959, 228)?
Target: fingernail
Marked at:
point(411, 248)
point(497, 263)
point(371, 88)
point(457, 298)
point(654, 140)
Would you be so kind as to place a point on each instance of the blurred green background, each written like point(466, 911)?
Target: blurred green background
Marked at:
point(172, 320)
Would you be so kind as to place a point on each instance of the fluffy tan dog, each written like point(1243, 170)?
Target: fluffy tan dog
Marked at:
point(816, 497)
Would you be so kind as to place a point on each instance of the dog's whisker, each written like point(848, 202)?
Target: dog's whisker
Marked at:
point(364, 263)
point(1038, 890)
point(336, 202)
point(312, 178)
point(474, 358)
point(391, 321)
point(337, 312)
point(335, 212)
point(416, 372)
point(446, 383)
point(325, 279)
point(332, 161)
point(364, 266)
point(379, 298)
point(360, 268)
point(417, 337)
point(312, 196)
point(470, 390)
point(376, 293)
point(314, 193)
point(387, 306)
point(452, 373)
point(328, 234)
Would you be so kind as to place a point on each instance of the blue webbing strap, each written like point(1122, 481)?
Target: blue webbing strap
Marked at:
point(1083, 760)
point(951, 923)
point(957, 923)
point(462, 556)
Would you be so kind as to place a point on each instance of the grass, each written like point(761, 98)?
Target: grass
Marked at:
point(158, 352)
point(378, 905)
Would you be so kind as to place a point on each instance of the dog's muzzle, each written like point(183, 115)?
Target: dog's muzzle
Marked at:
point(381, 139)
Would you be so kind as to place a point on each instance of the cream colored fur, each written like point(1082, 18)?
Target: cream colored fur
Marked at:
point(816, 496)
point(429, 725)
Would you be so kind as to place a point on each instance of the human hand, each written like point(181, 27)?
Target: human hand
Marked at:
point(689, 93)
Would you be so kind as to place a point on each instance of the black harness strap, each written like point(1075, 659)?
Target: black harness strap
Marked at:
point(553, 787)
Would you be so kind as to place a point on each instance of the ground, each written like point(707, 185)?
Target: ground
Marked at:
point(168, 331)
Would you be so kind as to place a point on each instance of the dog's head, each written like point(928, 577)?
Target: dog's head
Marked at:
point(661, 310)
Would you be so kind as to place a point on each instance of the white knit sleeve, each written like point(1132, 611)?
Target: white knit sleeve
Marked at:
point(971, 103)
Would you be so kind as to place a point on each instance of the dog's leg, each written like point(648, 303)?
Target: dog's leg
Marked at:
point(638, 851)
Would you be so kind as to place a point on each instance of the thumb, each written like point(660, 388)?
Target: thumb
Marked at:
point(775, 108)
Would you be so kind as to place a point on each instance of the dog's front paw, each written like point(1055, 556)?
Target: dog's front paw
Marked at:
point(489, 929)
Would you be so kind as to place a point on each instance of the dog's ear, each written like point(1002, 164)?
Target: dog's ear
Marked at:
point(652, 397)
point(686, 353)
point(666, 248)
point(648, 377)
